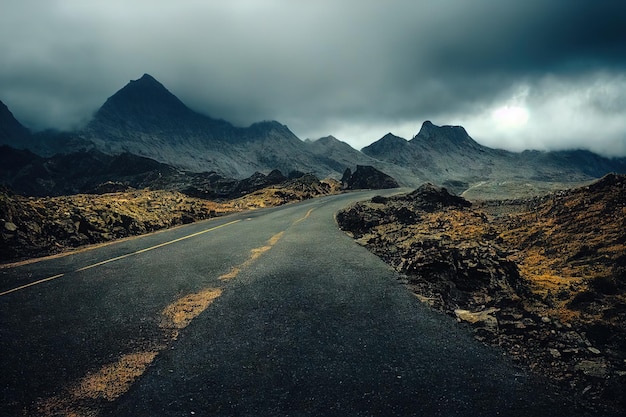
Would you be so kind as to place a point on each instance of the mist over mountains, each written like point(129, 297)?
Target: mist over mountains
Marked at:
point(144, 121)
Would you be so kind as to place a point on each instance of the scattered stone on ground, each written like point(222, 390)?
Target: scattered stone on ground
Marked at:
point(544, 278)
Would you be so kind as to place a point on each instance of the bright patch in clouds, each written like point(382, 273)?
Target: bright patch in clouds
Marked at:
point(585, 113)
point(510, 117)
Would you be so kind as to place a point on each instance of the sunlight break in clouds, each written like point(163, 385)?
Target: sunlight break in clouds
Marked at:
point(557, 114)
point(514, 114)
point(510, 117)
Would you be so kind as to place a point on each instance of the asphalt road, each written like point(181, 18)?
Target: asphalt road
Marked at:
point(272, 312)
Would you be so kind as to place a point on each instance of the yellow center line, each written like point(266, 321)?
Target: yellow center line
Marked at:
point(308, 213)
point(254, 254)
point(120, 257)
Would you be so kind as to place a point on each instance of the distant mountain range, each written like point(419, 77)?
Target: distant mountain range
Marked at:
point(144, 121)
point(448, 155)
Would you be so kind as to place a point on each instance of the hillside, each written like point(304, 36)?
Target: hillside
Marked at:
point(94, 172)
point(33, 227)
point(543, 278)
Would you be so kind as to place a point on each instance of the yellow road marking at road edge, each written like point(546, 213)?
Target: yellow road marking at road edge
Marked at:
point(30, 285)
point(156, 246)
point(119, 257)
point(112, 380)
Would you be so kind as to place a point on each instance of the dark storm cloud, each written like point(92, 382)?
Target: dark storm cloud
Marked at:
point(355, 69)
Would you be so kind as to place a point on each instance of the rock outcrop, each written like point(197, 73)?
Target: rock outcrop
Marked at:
point(441, 264)
point(367, 177)
point(37, 227)
point(32, 227)
point(543, 278)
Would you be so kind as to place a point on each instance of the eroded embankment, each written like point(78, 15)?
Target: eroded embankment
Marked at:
point(33, 227)
point(543, 278)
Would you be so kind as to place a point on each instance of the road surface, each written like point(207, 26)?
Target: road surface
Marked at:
point(272, 312)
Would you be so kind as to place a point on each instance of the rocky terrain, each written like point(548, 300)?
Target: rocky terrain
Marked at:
point(544, 278)
point(94, 172)
point(32, 227)
point(367, 177)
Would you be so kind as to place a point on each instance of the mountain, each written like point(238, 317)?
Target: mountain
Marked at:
point(144, 118)
point(447, 155)
point(438, 154)
point(143, 108)
point(11, 131)
point(393, 149)
point(340, 156)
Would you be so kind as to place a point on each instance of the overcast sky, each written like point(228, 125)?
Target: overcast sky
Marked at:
point(516, 74)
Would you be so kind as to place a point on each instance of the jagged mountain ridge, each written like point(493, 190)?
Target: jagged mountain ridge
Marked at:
point(145, 119)
point(448, 155)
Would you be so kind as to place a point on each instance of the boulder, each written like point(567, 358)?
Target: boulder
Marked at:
point(367, 177)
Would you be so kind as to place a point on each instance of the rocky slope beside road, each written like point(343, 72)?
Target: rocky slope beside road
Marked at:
point(544, 278)
point(32, 227)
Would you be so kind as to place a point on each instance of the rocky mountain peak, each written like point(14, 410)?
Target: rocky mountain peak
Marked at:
point(390, 137)
point(147, 78)
point(143, 97)
point(268, 125)
point(331, 142)
point(429, 131)
point(328, 139)
point(389, 143)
